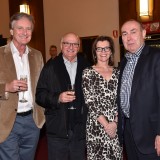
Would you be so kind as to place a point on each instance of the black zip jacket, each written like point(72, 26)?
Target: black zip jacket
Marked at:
point(53, 80)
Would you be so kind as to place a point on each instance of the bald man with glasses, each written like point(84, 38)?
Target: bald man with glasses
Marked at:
point(65, 125)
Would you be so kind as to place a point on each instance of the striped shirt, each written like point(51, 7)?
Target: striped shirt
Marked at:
point(127, 77)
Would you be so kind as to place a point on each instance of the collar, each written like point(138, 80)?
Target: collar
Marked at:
point(15, 50)
point(129, 55)
point(67, 61)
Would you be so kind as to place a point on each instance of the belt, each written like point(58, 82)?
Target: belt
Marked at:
point(25, 113)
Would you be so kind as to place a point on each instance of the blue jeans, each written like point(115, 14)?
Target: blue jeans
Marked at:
point(22, 142)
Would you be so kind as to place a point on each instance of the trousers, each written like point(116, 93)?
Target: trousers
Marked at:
point(22, 142)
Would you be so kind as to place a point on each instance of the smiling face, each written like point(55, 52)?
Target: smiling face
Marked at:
point(132, 36)
point(21, 31)
point(103, 51)
point(70, 45)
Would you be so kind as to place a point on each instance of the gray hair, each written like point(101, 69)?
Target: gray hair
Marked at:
point(19, 16)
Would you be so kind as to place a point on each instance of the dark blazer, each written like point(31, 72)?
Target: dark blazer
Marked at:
point(144, 100)
point(53, 80)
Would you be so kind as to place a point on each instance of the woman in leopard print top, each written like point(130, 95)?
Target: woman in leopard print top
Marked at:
point(100, 90)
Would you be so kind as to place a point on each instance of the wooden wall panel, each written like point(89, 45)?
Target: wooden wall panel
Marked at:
point(36, 8)
point(156, 10)
point(127, 10)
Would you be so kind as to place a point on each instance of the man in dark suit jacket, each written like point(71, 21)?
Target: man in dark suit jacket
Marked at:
point(65, 126)
point(139, 95)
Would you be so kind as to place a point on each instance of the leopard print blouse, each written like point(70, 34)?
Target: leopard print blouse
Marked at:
point(100, 98)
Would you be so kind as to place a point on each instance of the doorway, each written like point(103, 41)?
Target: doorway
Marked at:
point(86, 47)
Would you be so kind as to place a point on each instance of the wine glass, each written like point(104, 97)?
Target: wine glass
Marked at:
point(71, 88)
point(23, 78)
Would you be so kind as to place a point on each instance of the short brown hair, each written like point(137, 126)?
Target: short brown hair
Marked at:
point(94, 46)
point(52, 46)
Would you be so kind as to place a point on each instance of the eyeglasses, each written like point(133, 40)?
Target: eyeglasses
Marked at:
point(67, 44)
point(105, 49)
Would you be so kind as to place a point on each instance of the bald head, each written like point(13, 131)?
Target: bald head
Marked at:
point(133, 21)
point(70, 45)
point(70, 34)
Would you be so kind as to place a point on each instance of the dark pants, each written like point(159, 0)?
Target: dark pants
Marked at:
point(22, 141)
point(66, 149)
point(131, 149)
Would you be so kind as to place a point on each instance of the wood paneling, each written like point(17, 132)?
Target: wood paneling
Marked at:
point(156, 10)
point(36, 8)
point(127, 10)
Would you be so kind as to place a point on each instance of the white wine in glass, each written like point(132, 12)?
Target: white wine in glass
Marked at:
point(71, 88)
point(23, 78)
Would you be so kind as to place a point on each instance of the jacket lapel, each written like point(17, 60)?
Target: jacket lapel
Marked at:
point(31, 60)
point(122, 66)
point(138, 70)
point(10, 62)
point(61, 72)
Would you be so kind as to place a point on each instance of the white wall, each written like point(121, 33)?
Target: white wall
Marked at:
point(4, 18)
point(84, 17)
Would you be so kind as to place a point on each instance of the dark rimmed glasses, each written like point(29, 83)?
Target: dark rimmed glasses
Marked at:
point(105, 49)
point(67, 44)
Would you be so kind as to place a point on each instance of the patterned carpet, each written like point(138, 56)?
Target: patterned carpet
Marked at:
point(42, 151)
